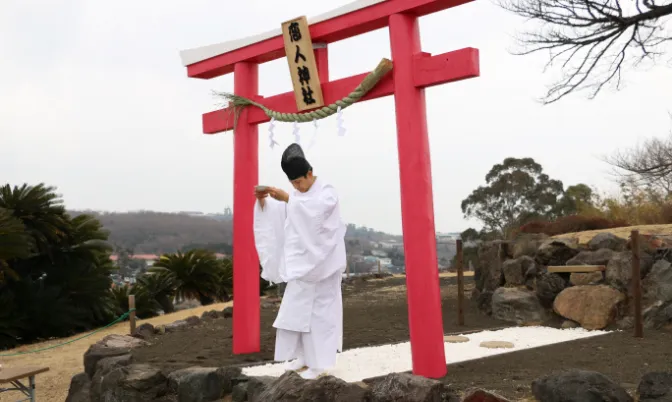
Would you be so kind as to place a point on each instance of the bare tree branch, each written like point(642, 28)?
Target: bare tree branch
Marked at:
point(592, 39)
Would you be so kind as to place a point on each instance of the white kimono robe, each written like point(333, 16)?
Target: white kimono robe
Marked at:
point(302, 243)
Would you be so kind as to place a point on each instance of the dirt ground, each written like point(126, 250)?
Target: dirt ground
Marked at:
point(619, 356)
point(374, 312)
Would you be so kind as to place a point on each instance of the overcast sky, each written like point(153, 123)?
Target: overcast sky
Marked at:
point(94, 100)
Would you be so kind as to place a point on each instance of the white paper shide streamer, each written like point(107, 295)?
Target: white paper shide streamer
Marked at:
point(271, 134)
point(297, 139)
point(312, 141)
point(339, 122)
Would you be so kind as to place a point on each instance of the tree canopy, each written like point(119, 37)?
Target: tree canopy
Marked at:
point(516, 191)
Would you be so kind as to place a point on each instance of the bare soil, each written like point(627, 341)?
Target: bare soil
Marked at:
point(375, 312)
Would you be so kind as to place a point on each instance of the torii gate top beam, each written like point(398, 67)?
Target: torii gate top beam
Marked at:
point(351, 20)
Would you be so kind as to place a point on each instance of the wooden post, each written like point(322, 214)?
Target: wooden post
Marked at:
point(378, 267)
point(131, 317)
point(347, 270)
point(636, 284)
point(460, 283)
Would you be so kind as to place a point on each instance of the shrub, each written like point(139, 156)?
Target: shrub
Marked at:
point(571, 224)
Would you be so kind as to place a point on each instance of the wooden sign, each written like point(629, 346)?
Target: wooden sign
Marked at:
point(302, 66)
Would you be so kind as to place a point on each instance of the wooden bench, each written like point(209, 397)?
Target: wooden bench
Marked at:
point(576, 268)
point(14, 375)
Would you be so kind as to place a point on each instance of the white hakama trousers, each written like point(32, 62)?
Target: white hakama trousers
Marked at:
point(317, 347)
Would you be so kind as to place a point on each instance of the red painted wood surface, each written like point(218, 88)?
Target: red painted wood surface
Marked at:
point(246, 315)
point(329, 31)
point(417, 207)
point(428, 71)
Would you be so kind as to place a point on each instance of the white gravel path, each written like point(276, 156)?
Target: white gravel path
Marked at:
point(358, 364)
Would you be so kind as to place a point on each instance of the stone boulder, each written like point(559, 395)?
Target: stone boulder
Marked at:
point(484, 302)
point(488, 272)
point(548, 286)
point(193, 320)
point(252, 389)
point(481, 395)
point(556, 251)
point(144, 331)
point(520, 306)
point(103, 368)
point(291, 387)
point(210, 315)
point(619, 269)
point(134, 383)
point(578, 385)
point(658, 283)
point(227, 312)
point(176, 326)
point(404, 387)
point(655, 387)
point(79, 389)
point(202, 384)
point(110, 346)
point(594, 307)
point(607, 241)
point(657, 315)
point(526, 244)
point(515, 270)
point(597, 257)
point(585, 278)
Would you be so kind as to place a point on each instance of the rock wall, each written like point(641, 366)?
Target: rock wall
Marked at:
point(514, 285)
point(111, 375)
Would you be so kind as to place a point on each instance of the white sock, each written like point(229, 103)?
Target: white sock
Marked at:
point(312, 373)
point(295, 365)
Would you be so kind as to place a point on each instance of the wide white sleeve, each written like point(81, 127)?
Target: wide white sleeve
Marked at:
point(269, 238)
point(321, 232)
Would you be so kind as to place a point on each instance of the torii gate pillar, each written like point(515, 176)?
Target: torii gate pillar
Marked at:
point(417, 205)
point(413, 71)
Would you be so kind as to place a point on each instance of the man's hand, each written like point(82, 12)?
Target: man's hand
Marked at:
point(278, 194)
point(261, 197)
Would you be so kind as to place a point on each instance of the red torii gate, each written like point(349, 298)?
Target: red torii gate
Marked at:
point(413, 71)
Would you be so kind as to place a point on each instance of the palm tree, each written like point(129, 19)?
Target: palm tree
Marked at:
point(158, 287)
point(145, 305)
point(14, 243)
point(194, 274)
point(40, 210)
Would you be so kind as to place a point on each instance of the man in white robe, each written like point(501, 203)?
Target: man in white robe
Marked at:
point(300, 240)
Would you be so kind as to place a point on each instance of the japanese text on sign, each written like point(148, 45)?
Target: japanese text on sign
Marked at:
point(302, 66)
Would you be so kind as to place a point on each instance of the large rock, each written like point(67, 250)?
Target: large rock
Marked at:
point(598, 257)
point(515, 270)
point(134, 383)
point(227, 312)
point(658, 283)
point(655, 387)
point(291, 387)
point(658, 315)
point(619, 269)
point(202, 384)
point(144, 331)
point(484, 302)
point(608, 241)
point(105, 367)
point(79, 389)
point(658, 295)
point(578, 385)
point(255, 386)
point(594, 307)
point(548, 286)
point(585, 278)
point(527, 244)
point(556, 251)
point(517, 305)
point(481, 395)
point(403, 387)
point(488, 273)
point(110, 346)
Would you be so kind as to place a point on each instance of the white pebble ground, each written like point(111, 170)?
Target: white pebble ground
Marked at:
point(358, 364)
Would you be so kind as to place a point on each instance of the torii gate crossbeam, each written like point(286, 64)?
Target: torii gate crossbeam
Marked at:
point(413, 71)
